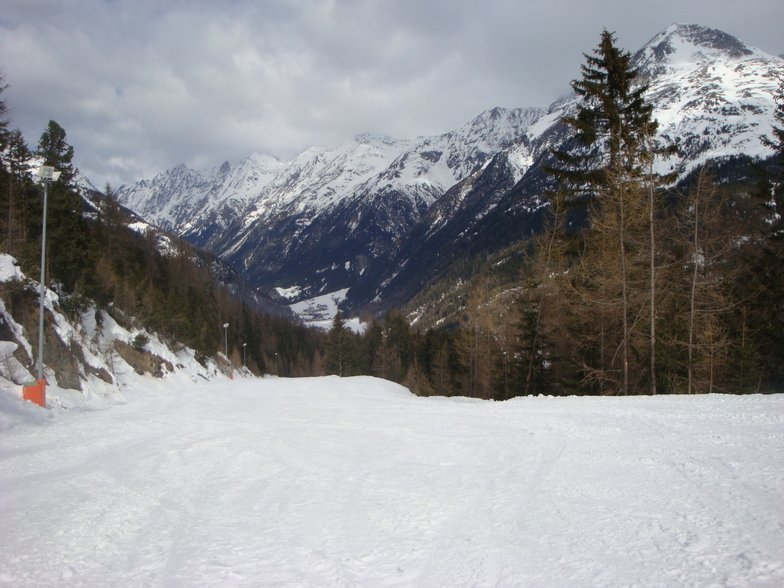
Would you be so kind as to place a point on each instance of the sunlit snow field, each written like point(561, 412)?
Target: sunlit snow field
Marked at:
point(355, 482)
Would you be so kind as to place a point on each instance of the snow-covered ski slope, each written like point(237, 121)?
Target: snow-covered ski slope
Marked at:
point(355, 482)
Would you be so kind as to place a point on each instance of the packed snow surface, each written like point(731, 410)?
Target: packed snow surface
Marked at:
point(355, 482)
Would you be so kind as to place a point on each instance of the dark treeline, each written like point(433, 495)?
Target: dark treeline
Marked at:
point(661, 291)
point(557, 329)
point(155, 281)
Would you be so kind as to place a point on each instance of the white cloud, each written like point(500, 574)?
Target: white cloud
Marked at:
point(141, 86)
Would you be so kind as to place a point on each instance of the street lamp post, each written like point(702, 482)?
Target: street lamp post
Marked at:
point(226, 339)
point(244, 354)
point(45, 174)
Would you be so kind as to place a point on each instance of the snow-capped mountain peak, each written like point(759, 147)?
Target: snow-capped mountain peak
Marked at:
point(711, 91)
point(232, 208)
point(686, 46)
point(333, 215)
point(693, 43)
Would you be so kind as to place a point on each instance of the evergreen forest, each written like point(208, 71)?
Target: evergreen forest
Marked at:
point(657, 290)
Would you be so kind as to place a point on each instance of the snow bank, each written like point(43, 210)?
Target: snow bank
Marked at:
point(11, 370)
point(355, 482)
point(105, 375)
point(9, 270)
point(14, 411)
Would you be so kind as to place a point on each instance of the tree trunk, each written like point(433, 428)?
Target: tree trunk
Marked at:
point(624, 295)
point(651, 219)
point(693, 296)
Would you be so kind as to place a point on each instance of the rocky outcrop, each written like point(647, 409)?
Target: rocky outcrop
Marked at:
point(143, 362)
point(61, 358)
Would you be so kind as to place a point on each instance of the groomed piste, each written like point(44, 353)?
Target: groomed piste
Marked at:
point(355, 482)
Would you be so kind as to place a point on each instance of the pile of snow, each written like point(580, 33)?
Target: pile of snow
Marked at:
point(9, 271)
point(355, 482)
point(320, 311)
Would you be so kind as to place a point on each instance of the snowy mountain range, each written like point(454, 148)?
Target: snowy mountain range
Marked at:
point(382, 216)
point(328, 213)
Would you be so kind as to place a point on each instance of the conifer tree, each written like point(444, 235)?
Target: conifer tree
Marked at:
point(16, 158)
point(609, 168)
point(776, 142)
point(371, 343)
point(395, 354)
point(700, 350)
point(477, 344)
point(54, 149)
point(442, 368)
point(340, 349)
point(764, 278)
point(774, 196)
point(612, 121)
point(72, 252)
point(538, 305)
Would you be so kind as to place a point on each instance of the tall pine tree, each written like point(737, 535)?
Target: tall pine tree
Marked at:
point(4, 118)
point(54, 149)
point(341, 349)
point(610, 168)
point(763, 276)
point(612, 122)
point(71, 253)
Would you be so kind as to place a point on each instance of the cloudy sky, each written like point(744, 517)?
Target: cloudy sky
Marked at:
point(142, 85)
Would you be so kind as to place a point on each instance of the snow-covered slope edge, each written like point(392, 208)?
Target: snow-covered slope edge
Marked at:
point(90, 361)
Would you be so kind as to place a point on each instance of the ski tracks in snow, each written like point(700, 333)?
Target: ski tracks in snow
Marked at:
point(354, 482)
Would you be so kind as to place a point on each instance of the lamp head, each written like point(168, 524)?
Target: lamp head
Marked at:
point(46, 173)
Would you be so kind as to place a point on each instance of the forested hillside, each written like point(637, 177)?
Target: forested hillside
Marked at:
point(656, 289)
point(100, 254)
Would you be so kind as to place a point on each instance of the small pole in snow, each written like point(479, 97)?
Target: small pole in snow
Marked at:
point(226, 339)
point(244, 354)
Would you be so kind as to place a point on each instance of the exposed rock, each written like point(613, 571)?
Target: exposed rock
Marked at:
point(62, 359)
point(7, 334)
point(99, 373)
point(143, 362)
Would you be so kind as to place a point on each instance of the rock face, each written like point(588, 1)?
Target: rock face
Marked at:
point(85, 348)
point(143, 362)
point(66, 360)
point(380, 216)
point(63, 360)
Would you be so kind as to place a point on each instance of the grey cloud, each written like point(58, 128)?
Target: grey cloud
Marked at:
point(141, 86)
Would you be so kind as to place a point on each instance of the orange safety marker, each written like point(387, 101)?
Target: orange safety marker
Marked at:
point(35, 392)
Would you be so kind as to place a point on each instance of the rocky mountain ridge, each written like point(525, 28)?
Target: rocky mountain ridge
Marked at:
point(360, 197)
point(713, 98)
point(381, 216)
